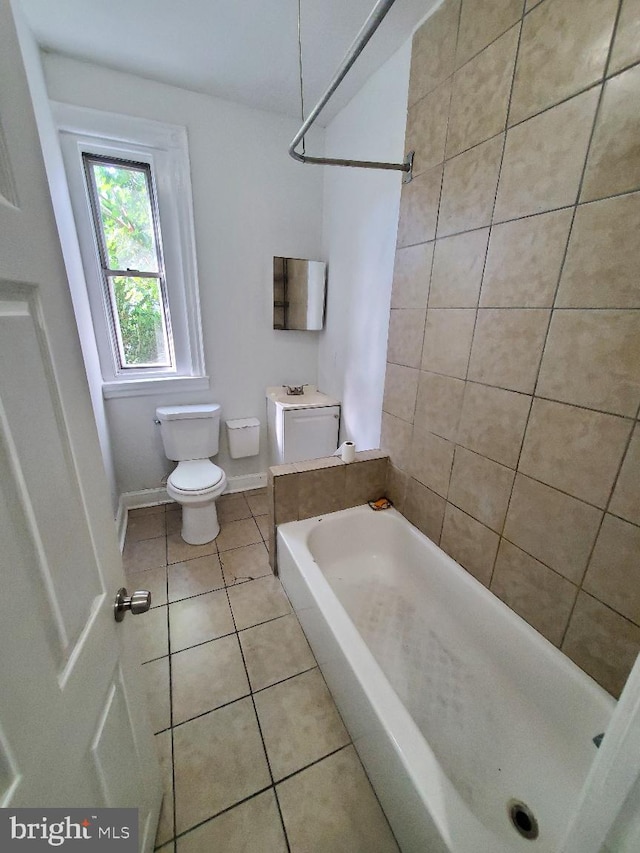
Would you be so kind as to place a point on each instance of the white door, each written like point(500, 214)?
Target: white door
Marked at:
point(310, 433)
point(73, 730)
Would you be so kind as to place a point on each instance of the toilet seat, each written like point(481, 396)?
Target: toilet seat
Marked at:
point(195, 477)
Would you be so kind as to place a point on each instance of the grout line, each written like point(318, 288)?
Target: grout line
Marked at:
point(314, 762)
point(224, 811)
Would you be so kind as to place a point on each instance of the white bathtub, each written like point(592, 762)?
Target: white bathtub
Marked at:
point(455, 704)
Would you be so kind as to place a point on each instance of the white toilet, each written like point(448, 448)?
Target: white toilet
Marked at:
point(190, 435)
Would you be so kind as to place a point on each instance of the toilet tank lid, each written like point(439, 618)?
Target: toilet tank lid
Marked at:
point(176, 413)
point(242, 423)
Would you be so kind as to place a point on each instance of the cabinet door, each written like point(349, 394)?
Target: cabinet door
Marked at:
point(310, 433)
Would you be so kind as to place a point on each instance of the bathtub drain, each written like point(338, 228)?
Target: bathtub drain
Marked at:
point(523, 820)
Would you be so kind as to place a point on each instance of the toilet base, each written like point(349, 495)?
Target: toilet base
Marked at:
point(200, 523)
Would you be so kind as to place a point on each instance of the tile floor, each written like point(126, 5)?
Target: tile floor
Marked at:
point(254, 754)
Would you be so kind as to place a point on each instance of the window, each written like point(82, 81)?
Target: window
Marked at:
point(130, 192)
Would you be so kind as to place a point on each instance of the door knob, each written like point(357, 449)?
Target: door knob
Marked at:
point(138, 602)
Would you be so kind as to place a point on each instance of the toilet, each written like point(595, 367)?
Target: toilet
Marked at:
point(190, 435)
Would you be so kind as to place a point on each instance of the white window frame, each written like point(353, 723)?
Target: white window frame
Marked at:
point(164, 148)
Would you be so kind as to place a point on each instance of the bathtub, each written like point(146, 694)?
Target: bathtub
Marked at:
point(466, 719)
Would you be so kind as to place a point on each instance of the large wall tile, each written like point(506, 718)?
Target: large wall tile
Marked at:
point(396, 487)
point(400, 391)
point(551, 526)
point(480, 487)
point(419, 208)
point(427, 128)
point(564, 48)
point(507, 347)
point(574, 450)
point(481, 95)
point(602, 643)
point(481, 22)
point(626, 495)
point(395, 438)
point(457, 270)
point(524, 260)
point(439, 404)
point(592, 358)
point(411, 277)
point(321, 491)
point(470, 543)
point(469, 188)
point(424, 509)
point(431, 460)
point(614, 159)
point(614, 570)
point(535, 592)
point(365, 481)
point(626, 47)
point(406, 332)
point(433, 51)
point(603, 259)
point(447, 340)
point(544, 158)
point(493, 422)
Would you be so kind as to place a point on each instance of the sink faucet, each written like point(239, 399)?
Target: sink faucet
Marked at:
point(294, 390)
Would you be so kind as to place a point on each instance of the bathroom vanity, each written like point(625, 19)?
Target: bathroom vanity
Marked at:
point(301, 426)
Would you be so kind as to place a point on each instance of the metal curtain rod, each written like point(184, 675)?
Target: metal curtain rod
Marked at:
point(368, 29)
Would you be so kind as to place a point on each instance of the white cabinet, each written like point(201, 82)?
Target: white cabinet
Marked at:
point(302, 427)
point(310, 433)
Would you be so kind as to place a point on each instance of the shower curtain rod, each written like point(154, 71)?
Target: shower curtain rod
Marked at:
point(368, 29)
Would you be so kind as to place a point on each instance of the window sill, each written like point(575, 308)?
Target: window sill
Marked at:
point(149, 387)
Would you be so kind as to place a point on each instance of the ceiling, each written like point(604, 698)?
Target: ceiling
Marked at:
point(242, 50)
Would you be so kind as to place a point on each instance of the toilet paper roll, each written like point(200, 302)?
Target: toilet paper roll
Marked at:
point(346, 451)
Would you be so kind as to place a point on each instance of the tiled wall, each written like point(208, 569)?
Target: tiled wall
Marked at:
point(513, 380)
point(304, 489)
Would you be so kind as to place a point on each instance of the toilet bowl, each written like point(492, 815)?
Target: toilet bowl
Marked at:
point(195, 484)
point(190, 436)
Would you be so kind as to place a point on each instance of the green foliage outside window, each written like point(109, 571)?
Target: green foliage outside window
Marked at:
point(125, 211)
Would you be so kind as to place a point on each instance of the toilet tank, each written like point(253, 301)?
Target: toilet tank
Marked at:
point(189, 432)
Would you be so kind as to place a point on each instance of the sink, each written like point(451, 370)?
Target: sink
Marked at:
point(310, 398)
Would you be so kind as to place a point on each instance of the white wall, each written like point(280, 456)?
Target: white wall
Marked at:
point(359, 235)
point(251, 202)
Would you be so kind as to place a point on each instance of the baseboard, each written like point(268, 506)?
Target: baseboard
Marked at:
point(244, 482)
point(153, 497)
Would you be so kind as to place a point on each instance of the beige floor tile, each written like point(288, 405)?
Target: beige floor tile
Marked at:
point(246, 563)
point(194, 576)
point(235, 534)
point(626, 48)
point(173, 522)
point(179, 551)
point(143, 555)
point(165, 824)
point(300, 723)
point(155, 580)
point(150, 634)
point(207, 676)
point(145, 526)
point(263, 526)
point(331, 808)
point(156, 679)
point(196, 620)
point(258, 504)
point(252, 827)
point(232, 508)
point(258, 601)
point(275, 650)
point(218, 760)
